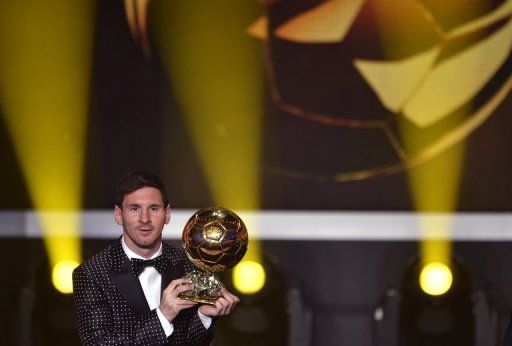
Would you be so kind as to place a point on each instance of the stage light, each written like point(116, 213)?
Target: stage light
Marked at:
point(52, 311)
point(436, 278)
point(442, 316)
point(249, 277)
point(261, 317)
point(62, 275)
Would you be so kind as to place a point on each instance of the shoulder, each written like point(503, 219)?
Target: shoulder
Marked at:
point(176, 254)
point(100, 262)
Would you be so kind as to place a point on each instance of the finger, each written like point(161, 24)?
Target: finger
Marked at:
point(175, 283)
point(182, 288)
point(218, 306)
point(231, 305)
point(224, 291)
point(178, 282)
point(180, 307)
point(232, 299)
point(174, 292)
point(230, 296)
point(222, 304)
point(185, 303)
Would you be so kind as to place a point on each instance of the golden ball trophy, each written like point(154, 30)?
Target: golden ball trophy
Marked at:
point(214, 239)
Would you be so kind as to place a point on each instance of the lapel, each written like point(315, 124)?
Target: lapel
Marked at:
point(126, 283)
point(176, 268)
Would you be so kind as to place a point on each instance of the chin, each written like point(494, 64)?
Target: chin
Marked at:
point(148, 244)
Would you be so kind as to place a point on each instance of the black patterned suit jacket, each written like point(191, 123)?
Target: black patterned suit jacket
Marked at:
point(111, 308)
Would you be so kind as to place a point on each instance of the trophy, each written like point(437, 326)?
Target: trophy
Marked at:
point(214, 239)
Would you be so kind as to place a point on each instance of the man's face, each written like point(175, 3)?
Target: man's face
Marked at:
point(143, 216)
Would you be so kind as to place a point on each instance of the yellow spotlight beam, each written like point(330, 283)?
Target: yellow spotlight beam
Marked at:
point(428, 88)
point(435, 187)
point(216, 73)
point(45, 67)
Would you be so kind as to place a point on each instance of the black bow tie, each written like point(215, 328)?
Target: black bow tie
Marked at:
point(160, 263)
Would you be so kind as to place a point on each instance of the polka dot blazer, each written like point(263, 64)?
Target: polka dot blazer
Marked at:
point(111, 308)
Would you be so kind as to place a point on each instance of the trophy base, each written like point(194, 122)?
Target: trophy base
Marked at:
point(206, 288)
point(198, 299)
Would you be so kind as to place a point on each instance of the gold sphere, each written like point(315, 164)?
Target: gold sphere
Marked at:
point(215, 239)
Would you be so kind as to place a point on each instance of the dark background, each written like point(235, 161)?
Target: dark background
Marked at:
point(135, 122)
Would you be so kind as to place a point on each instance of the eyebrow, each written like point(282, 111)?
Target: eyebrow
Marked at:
point(138, 205)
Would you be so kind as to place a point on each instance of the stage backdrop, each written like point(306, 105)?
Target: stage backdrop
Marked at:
point(345, 105)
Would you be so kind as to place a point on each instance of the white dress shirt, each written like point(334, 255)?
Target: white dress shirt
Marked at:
point(151, 282)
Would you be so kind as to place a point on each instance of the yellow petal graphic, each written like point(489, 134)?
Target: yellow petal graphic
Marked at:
point(258, 29)
point(501, 12)
point(136, 15)
point(394, 81)
point(458, 79)
point(328, 22)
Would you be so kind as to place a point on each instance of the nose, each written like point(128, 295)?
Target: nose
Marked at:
point(144, 216)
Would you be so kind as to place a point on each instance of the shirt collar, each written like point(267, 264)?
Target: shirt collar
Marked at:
point(132, 254)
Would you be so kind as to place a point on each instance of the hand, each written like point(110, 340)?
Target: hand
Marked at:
point(170, 304)
point(223, 306)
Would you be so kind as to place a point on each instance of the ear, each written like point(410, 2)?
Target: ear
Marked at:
point(117, 215)
point(167, 214)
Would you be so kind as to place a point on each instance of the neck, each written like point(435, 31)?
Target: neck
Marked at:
point(146, 253)
point(143, 252)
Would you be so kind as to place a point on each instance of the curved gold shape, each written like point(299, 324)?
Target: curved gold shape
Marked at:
point(444, 142)
point(215, 239)
point(414, 99)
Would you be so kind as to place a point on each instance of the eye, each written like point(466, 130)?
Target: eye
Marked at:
point(155, 209)
point(133, 208)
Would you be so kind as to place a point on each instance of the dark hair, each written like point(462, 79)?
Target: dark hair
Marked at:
point(137, 180)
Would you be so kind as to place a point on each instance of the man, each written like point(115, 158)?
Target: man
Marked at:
point(128, 293)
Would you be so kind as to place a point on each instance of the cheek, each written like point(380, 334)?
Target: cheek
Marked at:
point(130, 222)
point(159, 217)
